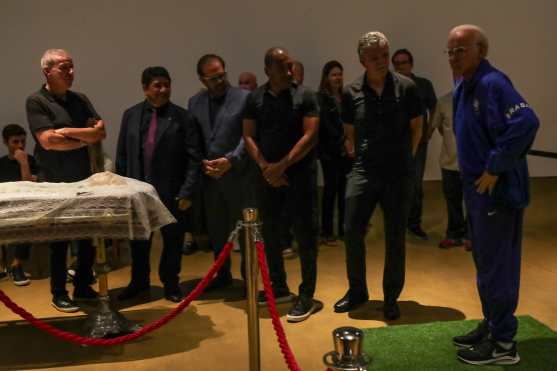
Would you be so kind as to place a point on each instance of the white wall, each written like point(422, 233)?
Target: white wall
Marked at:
point(112, 41)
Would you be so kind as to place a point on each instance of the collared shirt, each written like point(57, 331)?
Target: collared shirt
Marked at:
point(215, 104)
point(10, 171)
point(494, 129)
point(46, 111)
point(146, 116)
point(279, 121)
point(429, 100)
point(331, 132)
point(442, 120)
point(382, 124)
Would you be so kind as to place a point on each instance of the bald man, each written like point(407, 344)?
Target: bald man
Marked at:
point(247, 81)
point(494, 129)
point(281, 123)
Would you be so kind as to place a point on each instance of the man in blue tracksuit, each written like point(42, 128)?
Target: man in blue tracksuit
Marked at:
point(494, 129)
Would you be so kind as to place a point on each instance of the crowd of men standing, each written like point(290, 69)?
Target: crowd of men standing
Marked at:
point(371, 136)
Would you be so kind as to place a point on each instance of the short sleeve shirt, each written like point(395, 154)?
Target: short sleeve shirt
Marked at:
point(382, 124)
point(10, 170)
point(46, 111)
point(279, 121)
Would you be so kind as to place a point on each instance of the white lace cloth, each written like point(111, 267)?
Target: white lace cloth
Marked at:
point(104, 205)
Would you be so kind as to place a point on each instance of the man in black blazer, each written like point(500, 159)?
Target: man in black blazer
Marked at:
point(219, 111)
point(159, 144)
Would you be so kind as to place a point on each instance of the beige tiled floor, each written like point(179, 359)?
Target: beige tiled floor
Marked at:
point(211, 334)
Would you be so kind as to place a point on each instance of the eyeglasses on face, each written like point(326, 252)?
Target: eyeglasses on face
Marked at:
point(215, 78)
point(401, 63)
point(459, 51)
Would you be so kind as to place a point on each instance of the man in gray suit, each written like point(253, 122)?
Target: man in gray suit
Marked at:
point(219, 110)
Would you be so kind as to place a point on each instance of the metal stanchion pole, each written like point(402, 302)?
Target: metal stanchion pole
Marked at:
point(100, 261)
point(250, 224)
point(105, 321)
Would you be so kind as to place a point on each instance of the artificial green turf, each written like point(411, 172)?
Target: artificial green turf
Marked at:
point(429, 347)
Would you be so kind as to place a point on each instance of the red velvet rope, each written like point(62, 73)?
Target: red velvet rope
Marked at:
point(279, 330)
point(73, 338)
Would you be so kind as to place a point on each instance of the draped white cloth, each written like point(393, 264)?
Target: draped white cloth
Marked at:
point(104, 205)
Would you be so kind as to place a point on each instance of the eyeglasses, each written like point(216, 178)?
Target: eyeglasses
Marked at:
point(65, 67)
point(400, 63)
point(215, 78)
point(458, 52)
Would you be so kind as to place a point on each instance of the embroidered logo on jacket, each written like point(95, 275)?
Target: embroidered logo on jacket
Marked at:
point(515, 108)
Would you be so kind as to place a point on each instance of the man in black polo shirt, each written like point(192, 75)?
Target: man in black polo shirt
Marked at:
point(17, 165)
point(63, 123)
point(381, 112)
point(280, 131)
point(403, 61)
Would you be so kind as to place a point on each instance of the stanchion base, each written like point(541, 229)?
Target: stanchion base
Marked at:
point(106, 322)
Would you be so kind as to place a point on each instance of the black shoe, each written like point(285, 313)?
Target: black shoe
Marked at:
point(189, 247)
point(301, 310)
point(219, 282)
point(63, 303)
point(474, 337)
point(418, 232)
point(70, 276)
point(85, 294)
point(391, 311)
point(281, 296)
point(133, 290)
point(174, 295)
point(18, 276)
point(489, 352)
point(350, 302)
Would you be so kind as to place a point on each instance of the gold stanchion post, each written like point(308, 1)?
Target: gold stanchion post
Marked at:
point(105, 321)
point(250, 225)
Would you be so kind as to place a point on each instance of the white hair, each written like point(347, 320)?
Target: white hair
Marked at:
point(51, 56)
point(480, 36)
point(373, 38)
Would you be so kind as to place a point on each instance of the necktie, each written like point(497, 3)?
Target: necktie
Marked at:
point(149, 146)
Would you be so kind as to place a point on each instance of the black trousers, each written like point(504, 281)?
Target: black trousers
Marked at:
point(452, 189)
point(416, 205)
point(286, 235)
point(297, 200)
point(22, 251)
point(223, 201)
point(58, 266)
point(335, 169)
point(363, 193)
point(171, 256)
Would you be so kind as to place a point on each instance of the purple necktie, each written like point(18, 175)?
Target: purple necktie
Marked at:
point(149, 146)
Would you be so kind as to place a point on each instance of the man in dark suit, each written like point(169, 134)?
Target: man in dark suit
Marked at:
point(219, 111)
point(159, 144)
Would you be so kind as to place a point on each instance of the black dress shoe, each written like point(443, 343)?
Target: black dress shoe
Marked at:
point(219, 282)
point(189, 247)
point(350, 302)
point(132, 291)
point(418, 232)
point(85, 294)
point(175, 295)
point(391, 311)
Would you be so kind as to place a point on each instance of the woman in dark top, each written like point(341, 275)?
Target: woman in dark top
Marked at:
point(331, 152)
